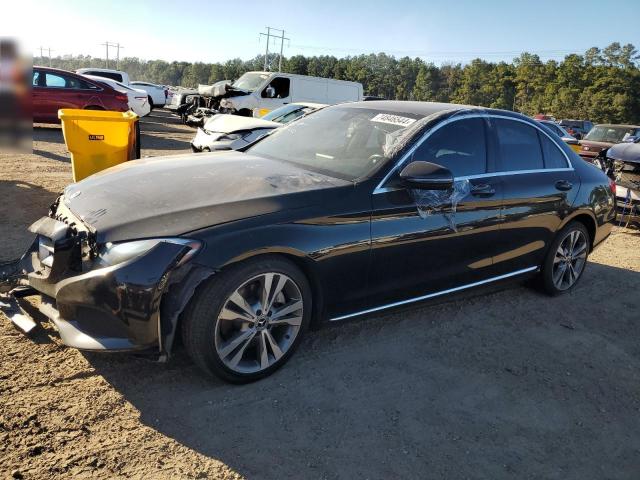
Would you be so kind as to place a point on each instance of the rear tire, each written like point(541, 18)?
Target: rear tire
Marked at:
point(566, 259)
point(151, 105)
point(247, 321)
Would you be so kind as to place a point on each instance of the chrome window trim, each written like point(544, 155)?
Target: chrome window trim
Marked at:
point(426, 135)
point(432, 295)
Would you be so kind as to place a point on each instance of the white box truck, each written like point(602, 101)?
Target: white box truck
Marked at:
point(257, 93)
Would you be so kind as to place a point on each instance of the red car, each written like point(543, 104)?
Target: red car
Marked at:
point(54, 89)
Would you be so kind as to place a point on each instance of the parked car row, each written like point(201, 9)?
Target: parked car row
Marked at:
point(90, 89)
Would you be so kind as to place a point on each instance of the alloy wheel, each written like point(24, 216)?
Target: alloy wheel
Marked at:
point(259, 323)
point(569, 260)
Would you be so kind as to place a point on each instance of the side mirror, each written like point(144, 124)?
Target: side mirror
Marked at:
point(426, 176)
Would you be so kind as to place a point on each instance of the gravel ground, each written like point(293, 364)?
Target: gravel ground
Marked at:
point(503, 384)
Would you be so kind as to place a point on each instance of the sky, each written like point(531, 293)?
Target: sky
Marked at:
point(440, 31)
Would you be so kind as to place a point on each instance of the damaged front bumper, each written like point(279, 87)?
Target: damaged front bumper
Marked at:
point(94, 306)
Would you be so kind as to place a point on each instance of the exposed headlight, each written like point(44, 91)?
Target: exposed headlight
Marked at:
point(115, 253)
point(231, 137)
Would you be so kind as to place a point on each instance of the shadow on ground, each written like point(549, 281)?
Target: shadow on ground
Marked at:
point(511, 384)
point(48, 133)
point(17, 213)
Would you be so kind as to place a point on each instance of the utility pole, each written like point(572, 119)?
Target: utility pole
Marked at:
point(108, 44)
point(118, 47)
point(106, 58)
point(266, 54)
point(42, 49)
point(281, 46)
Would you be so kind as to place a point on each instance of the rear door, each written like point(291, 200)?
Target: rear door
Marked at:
point(424, 242)
point(540, 187)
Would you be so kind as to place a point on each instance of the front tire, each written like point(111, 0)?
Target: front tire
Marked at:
point(566, 259)
point(248, 320)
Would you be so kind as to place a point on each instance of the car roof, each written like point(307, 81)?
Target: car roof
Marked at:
point(80, 70)
point(51, 69)
point(417, 108)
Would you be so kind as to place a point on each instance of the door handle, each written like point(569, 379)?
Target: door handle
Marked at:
point(483, 190)
point(563, 185)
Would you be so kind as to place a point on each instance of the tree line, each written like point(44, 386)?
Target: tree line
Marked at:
point(601, 85)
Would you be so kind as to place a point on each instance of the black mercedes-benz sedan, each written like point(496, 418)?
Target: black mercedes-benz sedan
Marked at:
point(359, 208)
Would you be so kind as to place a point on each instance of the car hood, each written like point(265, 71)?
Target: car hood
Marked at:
point(224, 123)
point(167, 196)
point(595, 146)
point(625, 152)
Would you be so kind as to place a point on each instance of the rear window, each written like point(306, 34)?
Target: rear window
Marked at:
point(518, 145)
point(553, 156)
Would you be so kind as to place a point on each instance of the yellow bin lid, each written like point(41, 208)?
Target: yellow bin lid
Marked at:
point(97, 115)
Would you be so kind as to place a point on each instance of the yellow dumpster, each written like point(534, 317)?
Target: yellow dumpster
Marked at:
point(99, 139)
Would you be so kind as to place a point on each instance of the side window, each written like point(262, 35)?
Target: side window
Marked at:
point(553, 156)
point(281, 86)
point(518, 145)
point(55, 81)
point(36, 78)
point(73, 82)
point(459, 146)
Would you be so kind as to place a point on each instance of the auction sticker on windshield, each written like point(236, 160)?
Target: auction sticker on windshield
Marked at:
point(393, 119)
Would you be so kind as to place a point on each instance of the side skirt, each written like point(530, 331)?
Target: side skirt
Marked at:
point(435, 294)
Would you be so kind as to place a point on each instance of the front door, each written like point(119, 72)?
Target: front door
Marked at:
point(426, 241)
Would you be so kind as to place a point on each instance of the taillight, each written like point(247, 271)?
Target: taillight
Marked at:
point(122, 98)
point(612, 186)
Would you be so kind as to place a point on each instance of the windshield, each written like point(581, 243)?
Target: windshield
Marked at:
point(342, 141)
point(287, 113)
point(250, 81)
point(610, 134)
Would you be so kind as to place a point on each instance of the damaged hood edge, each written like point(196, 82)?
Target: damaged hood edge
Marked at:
point(169, 196)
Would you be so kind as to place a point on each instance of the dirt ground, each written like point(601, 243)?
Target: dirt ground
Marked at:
point(506, 384)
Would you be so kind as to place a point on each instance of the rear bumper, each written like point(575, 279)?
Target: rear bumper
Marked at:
point(108, 308)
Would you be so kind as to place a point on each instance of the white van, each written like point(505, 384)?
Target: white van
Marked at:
point(257, 93)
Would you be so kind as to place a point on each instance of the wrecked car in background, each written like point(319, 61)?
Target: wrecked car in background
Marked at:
point(355, 209)
point(624, 167)
point(232, 132)
point(594, 146)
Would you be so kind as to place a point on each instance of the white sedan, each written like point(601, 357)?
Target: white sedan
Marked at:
point(137, 99)
point(230, 132)
point(156, 93)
